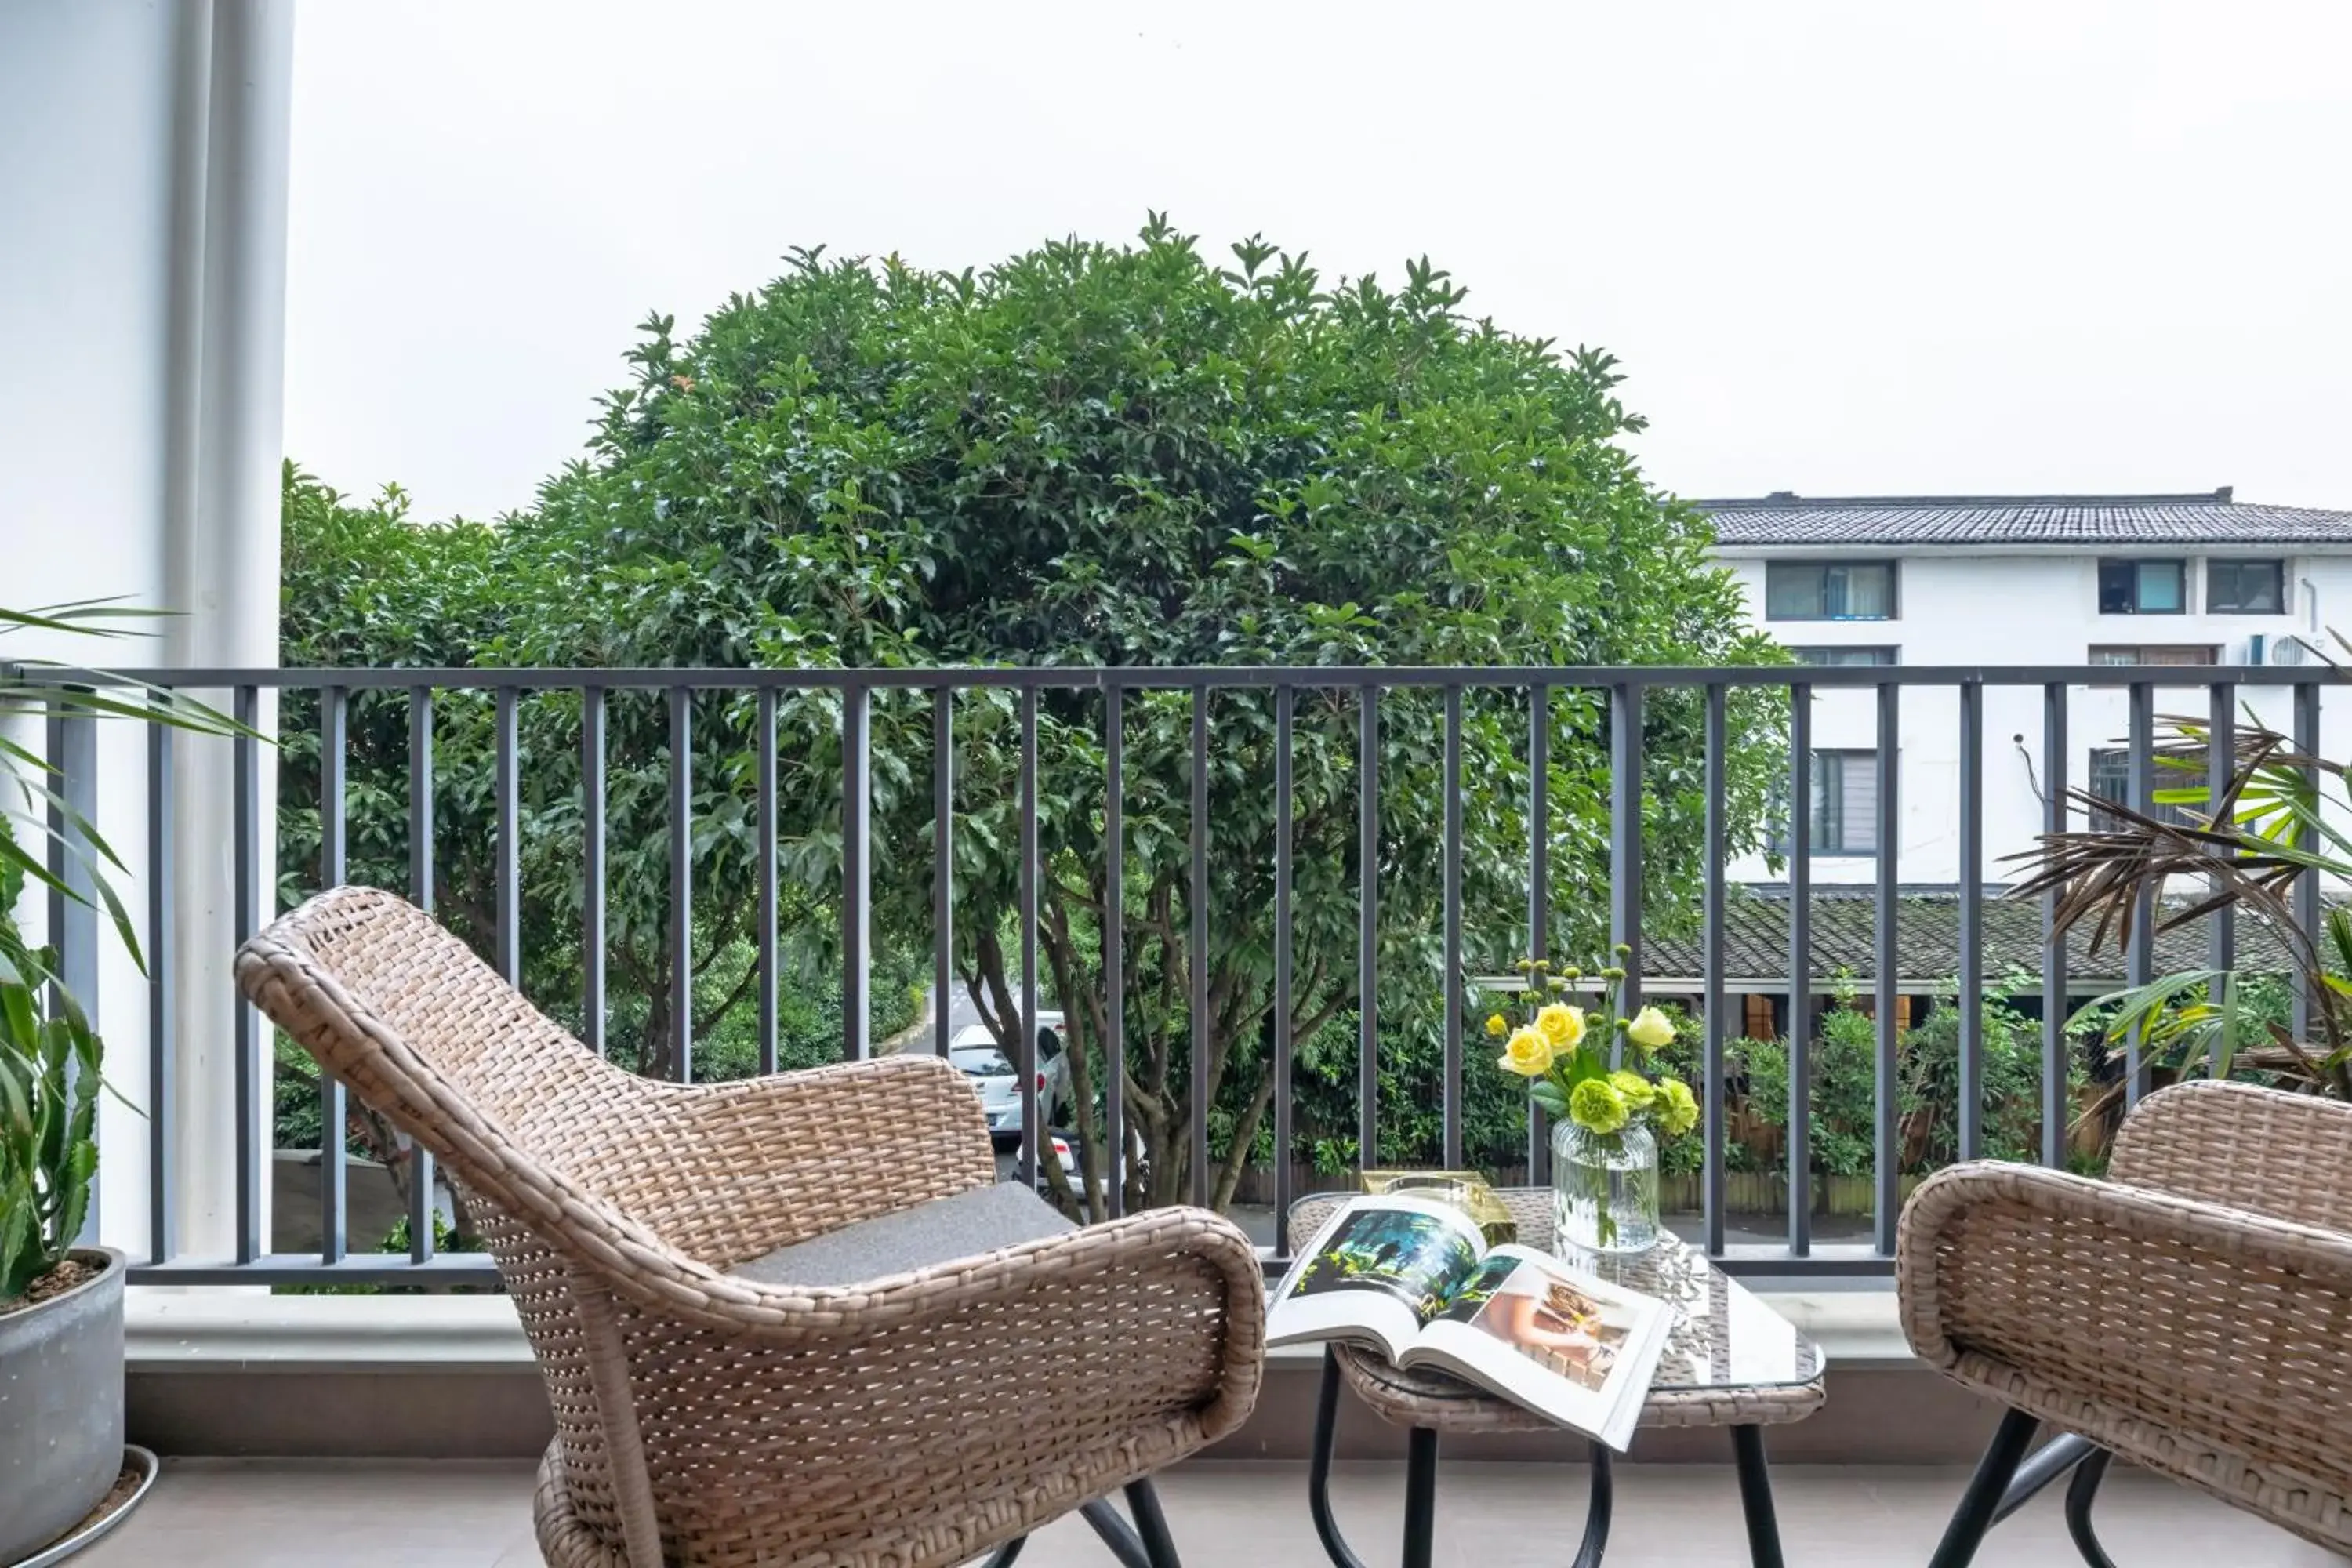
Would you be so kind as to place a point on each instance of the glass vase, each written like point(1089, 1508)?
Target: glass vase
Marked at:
point(1605, 1187)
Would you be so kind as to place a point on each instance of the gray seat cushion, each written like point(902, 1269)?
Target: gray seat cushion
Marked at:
point(968, 1224)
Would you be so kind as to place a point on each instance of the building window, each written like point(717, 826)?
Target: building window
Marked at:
point(1845, 655)
point(2155, 653)
point(2111, 780)
point(2245, 587)
point(1845, 806)
point(2142, 588)
point(1829, 591)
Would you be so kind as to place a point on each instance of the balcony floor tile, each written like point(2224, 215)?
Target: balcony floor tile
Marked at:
point(216, 1514)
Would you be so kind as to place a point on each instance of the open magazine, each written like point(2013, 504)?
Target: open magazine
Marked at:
point(1413, 1278)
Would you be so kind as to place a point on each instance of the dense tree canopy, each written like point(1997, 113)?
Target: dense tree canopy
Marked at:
point(1089, 454)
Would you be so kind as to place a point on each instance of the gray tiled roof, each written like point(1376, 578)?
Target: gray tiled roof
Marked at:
point(2217, 518)
point(1927, 941)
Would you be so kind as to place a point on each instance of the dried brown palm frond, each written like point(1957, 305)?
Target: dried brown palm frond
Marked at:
point(2107, 872)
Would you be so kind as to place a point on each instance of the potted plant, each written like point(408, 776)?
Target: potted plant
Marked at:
point(61, 1432)
point(1607, 1120)
point(61, 1303)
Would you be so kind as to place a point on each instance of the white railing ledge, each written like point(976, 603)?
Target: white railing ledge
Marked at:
point(243, 1330)
point(240, 1329)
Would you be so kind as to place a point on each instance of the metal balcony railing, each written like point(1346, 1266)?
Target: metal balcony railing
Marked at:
point(1613, 698)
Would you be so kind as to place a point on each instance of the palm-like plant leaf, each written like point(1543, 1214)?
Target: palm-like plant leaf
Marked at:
point(2245, 850)
point(50, 1058)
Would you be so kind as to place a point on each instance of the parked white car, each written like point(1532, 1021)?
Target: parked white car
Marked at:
point(974, 1052)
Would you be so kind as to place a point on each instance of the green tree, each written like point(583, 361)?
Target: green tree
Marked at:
point(1133, 456)
point(1130, 455)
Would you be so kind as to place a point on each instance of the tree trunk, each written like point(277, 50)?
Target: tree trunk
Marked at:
point(1229, 1174)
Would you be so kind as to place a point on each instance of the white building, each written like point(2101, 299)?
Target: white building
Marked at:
point(2037, 579)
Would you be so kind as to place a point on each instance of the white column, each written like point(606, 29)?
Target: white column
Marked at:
point(222, 558)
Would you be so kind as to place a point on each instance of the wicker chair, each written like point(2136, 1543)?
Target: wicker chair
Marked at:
point(2193, 1314)
point(790, 1320)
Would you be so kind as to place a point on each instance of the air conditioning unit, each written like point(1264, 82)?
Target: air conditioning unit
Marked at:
point(2288, 650)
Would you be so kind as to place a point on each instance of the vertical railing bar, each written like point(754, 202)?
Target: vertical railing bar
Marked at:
point(764, 749)
point(856, 872)
point(1625, 849)
point(2220, 761)
point(1285, 698)
point(1198, 958)
point(1033, 1108)
point(1538, 889)
point(334, 860)
point(2057, 1051)
point(680, 1065)
point(61, 865)
point(421, 869)
point(592, 911)
point(65, 847)
point(1450, 1101)
point(509, 837)
point(1114, 941)
point(1887, 963)
point(246, 1039)
point(1800, 969)
point(1367, 927)
point(421, 1208)
point(1713, 1003)
point(162, 941)
point(2139, 951)
point(1971, 1109)
point(2307, 883)
point(943, 974)
point(73, 920)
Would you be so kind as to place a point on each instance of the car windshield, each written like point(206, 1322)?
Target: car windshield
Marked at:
point(981, 1061)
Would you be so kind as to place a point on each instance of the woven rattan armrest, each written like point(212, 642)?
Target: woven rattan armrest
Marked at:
point(1192, 1250)
point(2211, 1343)
point(2286, 1156)
point(1103, 1351)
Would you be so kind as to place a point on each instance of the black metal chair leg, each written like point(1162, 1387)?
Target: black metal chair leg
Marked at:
point(1981, 1502)
point(1115, 1532)
point(1319, 1468)
point(1159, 1546)
point(1596, 1511)
point(2081, 1493)
point(1756, 1497)
point(1002, 1557)
point(1420, 1495)
point(2044, 1465)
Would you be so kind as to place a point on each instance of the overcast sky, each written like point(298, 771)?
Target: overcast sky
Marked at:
point(1863, 248)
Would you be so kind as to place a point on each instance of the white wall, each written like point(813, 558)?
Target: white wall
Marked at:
point(2023, 607)
point(142, 237)
point(86, 116)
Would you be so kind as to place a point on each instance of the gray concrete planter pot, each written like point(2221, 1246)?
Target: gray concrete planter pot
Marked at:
point(60, 1408)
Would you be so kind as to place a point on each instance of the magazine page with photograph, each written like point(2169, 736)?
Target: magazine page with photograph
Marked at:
point(1375, 1273)
point(1413, 1278)
point(1570, 1348)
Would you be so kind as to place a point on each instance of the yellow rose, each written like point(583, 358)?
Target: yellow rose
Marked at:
point(1562, 1025)
point(1650, 1029)
point(1495, 1027)
point(1635, 1091)
point(1526, 1053)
